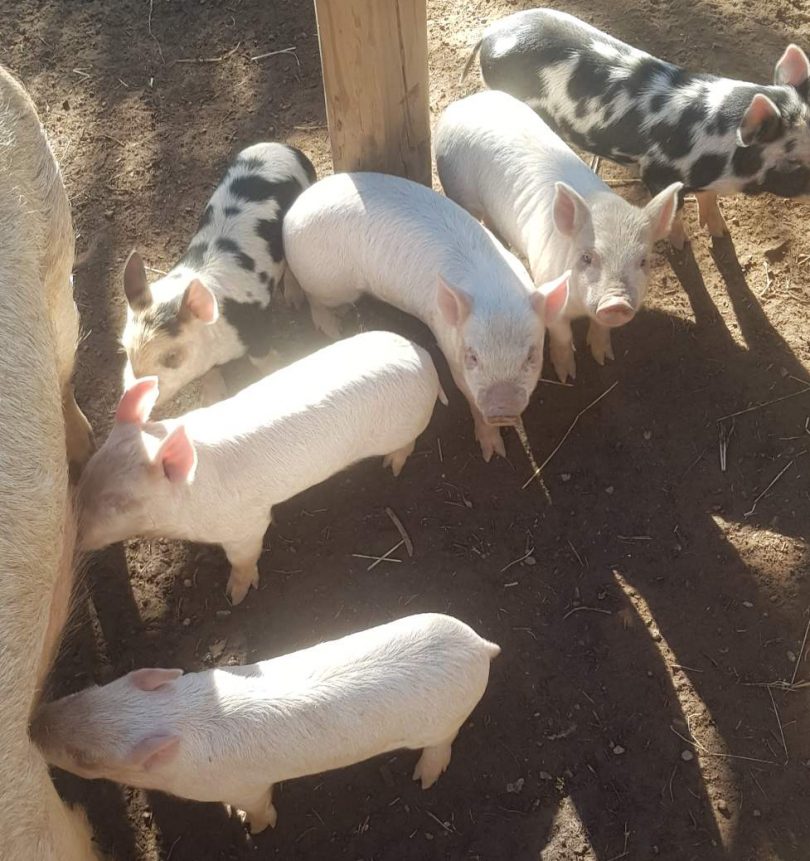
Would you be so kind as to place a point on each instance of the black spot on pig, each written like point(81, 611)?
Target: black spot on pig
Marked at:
point(305, 163)
point(706, 170)
point(252, 187)
point(589, 78)
point(285, 192)
point(657, 175)
point(641, 76)
point(674, 140)
point(657, 103)
point(747, 160)
point(206, 217)
point(263, 277)
point(619, 140)
point(270, 232)
point(232, 211)
point(252, 323)
point(164, 318)
point(228, 246)
point(720, 124)
point(250, 163)
point(195, 255)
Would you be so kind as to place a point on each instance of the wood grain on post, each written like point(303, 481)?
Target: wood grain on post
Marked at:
point(375, 77)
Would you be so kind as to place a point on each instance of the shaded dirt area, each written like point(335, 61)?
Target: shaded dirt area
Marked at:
point(656, 593)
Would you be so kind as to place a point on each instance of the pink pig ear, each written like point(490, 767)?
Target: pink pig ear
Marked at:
point(137, 401)
point(177, 456)
point(153, 751)
point(200, 302)
point(569, 210)
point(549, 299)
point(793, 67)
point(152, 678)
point(454, 304)
point(759, 116)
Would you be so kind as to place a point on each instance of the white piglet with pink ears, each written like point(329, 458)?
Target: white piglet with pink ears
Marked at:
point(502, 163)
point(213, 474)
point(356, 233)
point(229, 734)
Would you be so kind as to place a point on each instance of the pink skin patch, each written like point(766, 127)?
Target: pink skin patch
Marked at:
point(614, 312)
point(502, 404)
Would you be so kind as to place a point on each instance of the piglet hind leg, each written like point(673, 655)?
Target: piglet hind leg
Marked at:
point(396, 460)
point(677, 233)
point(599, 341)
point(709, 213)
point(433, 762)
point(244, 557)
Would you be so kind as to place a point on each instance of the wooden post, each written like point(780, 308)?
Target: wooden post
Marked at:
point(375, 78)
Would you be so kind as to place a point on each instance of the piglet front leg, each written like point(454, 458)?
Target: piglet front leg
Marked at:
point(433, 762)
point(709, 213)
point(561, 350)
point(598, 339)
point(244, 557)
point(256, 810)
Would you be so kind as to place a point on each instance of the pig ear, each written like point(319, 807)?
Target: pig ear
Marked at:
point(793, 68)
point(661, 210)
point(177, 456)
point(136, 288)
point(569, 211)
point(153, 751)
point(454, 304)
point(549, 299)
point(152, 678)
point(137, 402)
point(761, 115)
point(198, 301)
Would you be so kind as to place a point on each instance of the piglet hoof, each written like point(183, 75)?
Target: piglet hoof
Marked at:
point(325, 320)
point(239, 585)
point(396, 460)
point(564, 363)
point(432, 764)
point(600, 345)
point(259, 821)
point(490, 439)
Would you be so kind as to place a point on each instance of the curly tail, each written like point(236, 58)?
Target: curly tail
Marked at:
point(471, 59)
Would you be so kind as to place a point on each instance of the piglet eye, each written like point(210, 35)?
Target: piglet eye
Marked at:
point(643, 263)
point(470, 359)
point(171, 359)
point(586, 258)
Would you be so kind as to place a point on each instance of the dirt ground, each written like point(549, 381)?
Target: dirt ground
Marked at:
point(642, 607)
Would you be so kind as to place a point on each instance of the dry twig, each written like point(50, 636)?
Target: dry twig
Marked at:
point(780, 474)
point(762, 406)
point(589, 609)
point(218, 59)
point(291, 50)
point(386, 557)
point(401, 529)
point(566, 434)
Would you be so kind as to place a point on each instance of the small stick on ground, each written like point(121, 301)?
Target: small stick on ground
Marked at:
point(706, 752)
point(439, 446)
point(438, 821)
point(218, 59)
point(779, 723)
point(589, 609)
point(781, 473)
point(151, 34)
point(762, 406)
point(801, 655)
point(579, 415)
point(517, 561)
point(401, 529)
point(291, 50)
point(384, 558)
point(725, 433)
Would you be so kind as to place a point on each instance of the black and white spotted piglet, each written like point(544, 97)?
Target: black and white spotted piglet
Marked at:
point(716, 135)
point(214, 305)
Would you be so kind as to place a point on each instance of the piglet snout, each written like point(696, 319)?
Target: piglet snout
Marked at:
point(614, 311)
point(502, 404)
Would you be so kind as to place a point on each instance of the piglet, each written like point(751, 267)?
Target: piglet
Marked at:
point(214, 474)
point(716, 135)
point(356, 233)
point(502, 163)
point(229, 734)
point(214, 304)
